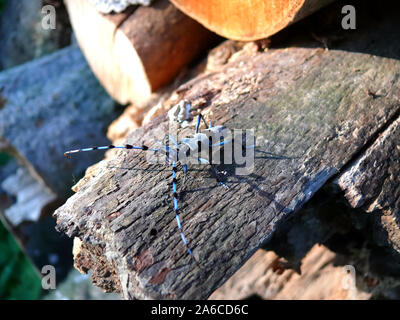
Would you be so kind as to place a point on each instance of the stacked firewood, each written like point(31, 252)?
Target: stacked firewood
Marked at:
point(326, 120)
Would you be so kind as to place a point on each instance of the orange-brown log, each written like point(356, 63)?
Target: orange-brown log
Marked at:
point(138, 51)
point(248, 19)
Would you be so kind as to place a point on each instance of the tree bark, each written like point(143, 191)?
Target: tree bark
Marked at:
point(372, 182)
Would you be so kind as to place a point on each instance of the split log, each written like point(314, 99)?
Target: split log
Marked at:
point(48, 106)
point(311, 114)
point(248, 20)
point(372, 182)
point(138, 51)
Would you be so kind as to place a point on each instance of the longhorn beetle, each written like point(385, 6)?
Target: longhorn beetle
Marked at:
point(199, 148)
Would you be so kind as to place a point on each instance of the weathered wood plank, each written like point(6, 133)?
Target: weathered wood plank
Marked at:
point(48, 106)
point(311, 115)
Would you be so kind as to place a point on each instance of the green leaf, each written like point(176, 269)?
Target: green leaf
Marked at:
point(4, 157)
point(18, 277)
point(2, 3)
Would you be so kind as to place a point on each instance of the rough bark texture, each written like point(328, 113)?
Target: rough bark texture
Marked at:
point(314, 112)
point(138, 51)
point(372, 183)
point(48, 106)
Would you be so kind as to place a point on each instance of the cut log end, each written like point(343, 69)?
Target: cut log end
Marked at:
point(248, 20)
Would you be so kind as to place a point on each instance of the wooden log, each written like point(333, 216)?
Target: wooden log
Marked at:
point(296, 266)
point(248, 20)
point(266, 276)
point(308, 125)
point(372, 183)
point(48, 106)
point(140, 50)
